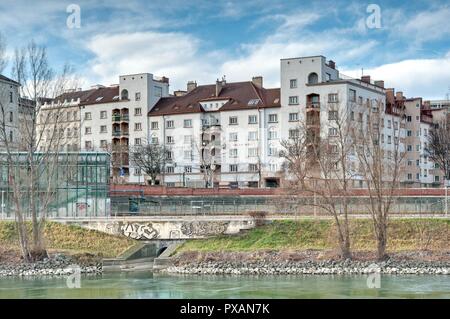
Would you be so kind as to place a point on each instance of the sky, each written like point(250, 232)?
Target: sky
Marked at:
point(407, 44)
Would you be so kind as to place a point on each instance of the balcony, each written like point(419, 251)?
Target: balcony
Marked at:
point(120, 133)
point(313, 106)
point(120, 118)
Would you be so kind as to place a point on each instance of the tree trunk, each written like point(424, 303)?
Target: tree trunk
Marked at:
point(381, 243)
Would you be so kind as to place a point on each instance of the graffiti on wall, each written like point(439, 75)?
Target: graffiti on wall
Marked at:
point(197, 228)
point(133, 230)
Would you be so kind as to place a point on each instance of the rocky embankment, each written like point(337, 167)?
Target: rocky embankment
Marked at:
point(274, 265)
point(57, 265)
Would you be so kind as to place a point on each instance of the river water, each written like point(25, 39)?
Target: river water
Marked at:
point(148, 285)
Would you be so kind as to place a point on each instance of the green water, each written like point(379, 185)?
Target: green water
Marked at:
point(148, 285)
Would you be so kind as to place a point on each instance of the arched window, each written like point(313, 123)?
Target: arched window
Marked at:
point(124, 95)
point(313, 78)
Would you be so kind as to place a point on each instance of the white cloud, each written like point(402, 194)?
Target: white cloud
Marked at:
point(175, 55)
point(427, 78)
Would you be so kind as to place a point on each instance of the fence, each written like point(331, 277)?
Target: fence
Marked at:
point(235, 205)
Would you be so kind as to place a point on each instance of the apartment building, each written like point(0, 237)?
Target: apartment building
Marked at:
point(9, 102)
point(230, 134)
point(114, 119)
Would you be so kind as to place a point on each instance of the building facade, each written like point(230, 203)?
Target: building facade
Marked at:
point(9, 103)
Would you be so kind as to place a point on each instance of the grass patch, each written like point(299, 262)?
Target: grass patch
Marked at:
point(404, 234)
point(71, 239)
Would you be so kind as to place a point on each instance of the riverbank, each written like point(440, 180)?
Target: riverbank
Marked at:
point(415, 246)
point(67, 245)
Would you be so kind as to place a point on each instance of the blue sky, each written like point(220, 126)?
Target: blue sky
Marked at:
point(203, 40)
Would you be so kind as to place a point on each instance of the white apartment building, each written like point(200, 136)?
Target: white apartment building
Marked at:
point(229, 134)
point(9, 101)
point(114, 119)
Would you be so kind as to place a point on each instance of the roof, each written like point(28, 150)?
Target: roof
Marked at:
point(4, 78)
point(239, 95)
point(101, 95)
point(75, 95)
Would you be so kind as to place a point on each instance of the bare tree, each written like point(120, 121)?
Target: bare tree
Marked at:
point(439, 146)
point(33, 176)
point(150, 158)
point(320, 166)
point(380, 160)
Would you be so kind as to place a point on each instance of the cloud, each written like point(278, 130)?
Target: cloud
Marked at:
point(172, 54)
point(427, 78)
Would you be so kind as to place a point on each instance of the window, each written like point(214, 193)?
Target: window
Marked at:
point(253, 136)
point(138, 126)
point(389, 124)
point(11, 136)
point(252, 119)
point(103, 143)
point(233, 120)
point(417, 163)
point(389, 139)
point(273, 118)
point(409, 148)
point(137, 171)
point(124, 95)
point(187, 139)
point(273, 135)
point(137, 141)
point(352, 95)
point(332, 131)
point(409, 133)
point(187, 123)
point(188, 154)
point(87, 130)
point(137, 96)
point(409, 176)
point(88, 145)
point(233, 137)
point(409, 118)
point(293, 117)
point(233, 168)
point(103, 114)
point(293, 83)
point(103, 129)
point(253, 167)
point(170, 124)
point(188, 169)
point(272, 151)
point(252, 152)
point(10, 97)
point(87, 116)
point(170, 169)
point(69, 132)
point(436, 178)
point(138, 111)
point(75, 114)
point(75, 132)
point(332, 98)
point(293, 100)
point(233, 152)
point(169, 155)
point(155, 140)
point(417, 147)
point(313, 78)
point(333, 115)
point(154, 125)
point(294, 133)
point(170, 139)
point(352, 116)
point(11, 117)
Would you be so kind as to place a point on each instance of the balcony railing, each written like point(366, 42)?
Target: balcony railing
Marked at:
point(313, 105)
point(120, 133)
point(120, 118)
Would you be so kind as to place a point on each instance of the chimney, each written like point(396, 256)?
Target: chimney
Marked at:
point(332, 64)
point(164, 79)
point(257, 81)
point(191, 85)
point(220, 85)
point(365, 78)
point(399, 95)
point(380, 83)
point(179, 93)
